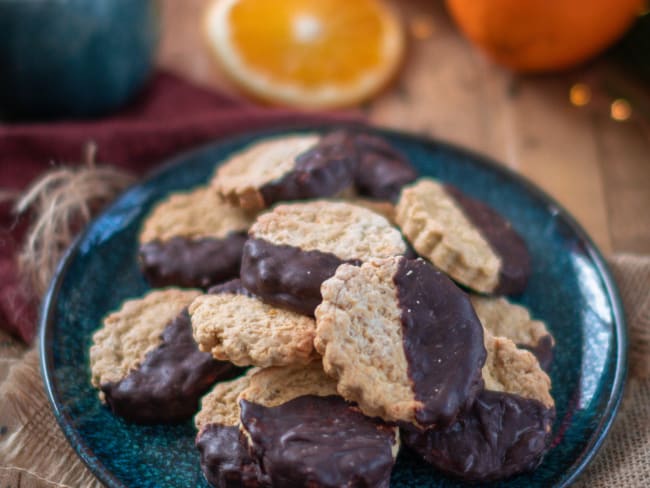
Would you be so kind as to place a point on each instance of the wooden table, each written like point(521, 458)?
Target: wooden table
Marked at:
point(597, 167)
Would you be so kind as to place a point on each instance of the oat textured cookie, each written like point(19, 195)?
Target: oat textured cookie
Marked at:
point(225, 460)
point(235, 326)
point(304, 435)
point(192, 240)
point(292, 249)
point(401, 339)
point(145, 362)
point(463, 237)
point(293, 167)
point(508, 428)
point(503, 318)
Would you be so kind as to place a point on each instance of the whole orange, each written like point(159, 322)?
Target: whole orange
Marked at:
point(543, 35)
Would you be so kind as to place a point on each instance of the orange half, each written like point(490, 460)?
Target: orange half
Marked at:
point(306, 53)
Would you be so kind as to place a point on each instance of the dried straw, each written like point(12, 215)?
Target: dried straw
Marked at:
point(60, 203)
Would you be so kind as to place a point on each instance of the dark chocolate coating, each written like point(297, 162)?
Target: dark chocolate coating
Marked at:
point(443, 341)
point(381, 170)
point(314, 441)
point(190, 263)
point(503, 240)
point(287, 276)
point(322, 171)
point(167, 385)
point(225, 460)
point(235, 287)
point(501, 435)
point(543, 351)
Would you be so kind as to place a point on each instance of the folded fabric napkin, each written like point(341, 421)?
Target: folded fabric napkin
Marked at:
point(169, 116)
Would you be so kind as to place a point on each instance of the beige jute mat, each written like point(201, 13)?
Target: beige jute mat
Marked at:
point(34, 452)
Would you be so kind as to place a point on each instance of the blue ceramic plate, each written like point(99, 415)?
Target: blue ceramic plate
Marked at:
point(571, 289)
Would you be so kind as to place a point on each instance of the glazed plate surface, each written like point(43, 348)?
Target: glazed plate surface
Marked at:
point(571, 289)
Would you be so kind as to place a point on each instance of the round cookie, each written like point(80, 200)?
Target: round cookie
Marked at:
point(402, 340)
point(192, 240)
point(225, 460)
point(502, 318)
point(294, 167)
point(304, 435)
point(145, 362)
point(235, 326)
point(463, 237)
point(381, 170)
point(293, 248)
point(508, 428)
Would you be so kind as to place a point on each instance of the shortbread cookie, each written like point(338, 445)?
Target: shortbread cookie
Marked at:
point(381, 170)
point(508, 428)
point(292, 249)
point(225, 460)
point(192, 240)
point(402, 340)
point(235, 326)
point(502, 318)
point(463, 237)
point(304, 435)
point(145, 362)
point(294, 167)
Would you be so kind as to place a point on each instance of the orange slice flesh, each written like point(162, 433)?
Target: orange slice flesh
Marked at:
point(306, 53)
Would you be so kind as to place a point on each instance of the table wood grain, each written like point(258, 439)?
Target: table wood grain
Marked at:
point(596, 167)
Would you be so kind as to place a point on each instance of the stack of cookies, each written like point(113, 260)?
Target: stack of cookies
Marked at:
point(367, 305)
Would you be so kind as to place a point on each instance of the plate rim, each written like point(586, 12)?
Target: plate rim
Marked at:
point(47, 309)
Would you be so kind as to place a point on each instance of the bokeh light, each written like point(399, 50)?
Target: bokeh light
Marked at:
point(580, 94)
point(620, 109)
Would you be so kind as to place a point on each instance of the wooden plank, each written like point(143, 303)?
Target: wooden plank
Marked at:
point(183, 48)
point(556, 148)
point(624, 157)
point(449, 90)
point(441, 89)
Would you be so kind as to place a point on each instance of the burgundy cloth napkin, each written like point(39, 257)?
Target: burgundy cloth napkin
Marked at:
point(169, 116)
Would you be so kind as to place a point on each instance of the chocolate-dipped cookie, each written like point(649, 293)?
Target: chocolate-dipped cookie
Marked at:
point(225, 460)
point(233, 325)
point(506, 431)
point(292, 249)
point(293, 167)
point(304, 435)
point(193, 240)
point(146, 364)
point(463, 237)
point(503, 318)
point(381, 170)
point(402, 340)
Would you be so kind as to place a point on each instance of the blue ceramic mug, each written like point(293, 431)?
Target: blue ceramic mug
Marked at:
point(73, 58)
